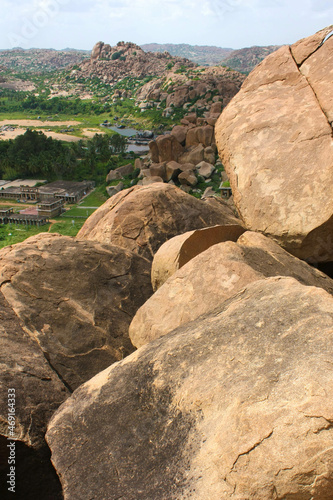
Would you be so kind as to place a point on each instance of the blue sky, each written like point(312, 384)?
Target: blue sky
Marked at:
point(225, 23)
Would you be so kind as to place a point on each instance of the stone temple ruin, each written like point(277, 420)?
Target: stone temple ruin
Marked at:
point(50, 199)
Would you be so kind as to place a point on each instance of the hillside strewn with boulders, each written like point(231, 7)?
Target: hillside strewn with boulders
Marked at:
point(229, 392)
point(40, 60)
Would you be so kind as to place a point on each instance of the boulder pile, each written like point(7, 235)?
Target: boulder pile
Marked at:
point(229, 393)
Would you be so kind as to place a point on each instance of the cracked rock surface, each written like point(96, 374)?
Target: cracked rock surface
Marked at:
point(275, 141)
point(142, 218)
point(212, 277)
point(76, 299)
point(235, 405)
point(38, 393)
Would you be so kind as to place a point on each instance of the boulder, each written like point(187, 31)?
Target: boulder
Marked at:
point(168, 148)
point(36, 391)
point(216, 107)
point(142, 218)
point(180, 133)
point(225, 268)
point(188, 178)
point(209, 155)
point(192, 137)
point(206, 135)
point(186, 166)
point(112, 190)
point(138, 163)
point(113, 175)
point(194, 155)
point(76, 298)
point(237, 405)
point(119, 172)
point(179, 250)
point(205, 169)
point(275, 141)
point(172, 170)
point(151, 180)
point(153, 149)
point(158, 169)
point(191, 118)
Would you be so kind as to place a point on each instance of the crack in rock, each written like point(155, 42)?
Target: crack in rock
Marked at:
point(309, 84)
point(250, 449)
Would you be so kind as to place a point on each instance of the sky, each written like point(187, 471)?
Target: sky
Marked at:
point(234, 24)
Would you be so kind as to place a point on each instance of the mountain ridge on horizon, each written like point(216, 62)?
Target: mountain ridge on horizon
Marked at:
point(243, 60)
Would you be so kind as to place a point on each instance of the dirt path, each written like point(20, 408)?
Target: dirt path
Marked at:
point(54, 222)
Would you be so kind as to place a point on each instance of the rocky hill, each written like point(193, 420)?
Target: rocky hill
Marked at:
point(245, 60)
point(40, 60)
point(112, 64)
point(201, 54)
point(157, 79)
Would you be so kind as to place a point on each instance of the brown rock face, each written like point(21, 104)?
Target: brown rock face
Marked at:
point(180, 133)
point(142, 218)
point(169, 149)
point(36, 392)
point(177, 251)
point(76, 298)
point(194, 155)
point(212, 277)
point(237, 405)
point(275, 141)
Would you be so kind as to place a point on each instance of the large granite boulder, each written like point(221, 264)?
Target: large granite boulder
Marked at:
point(30, 392)
point(76, 298)
point(237, 405)
point(142, 218)
point(179, 250)
point(212, 277)
point(275, 141)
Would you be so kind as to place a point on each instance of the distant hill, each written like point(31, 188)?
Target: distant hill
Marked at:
point(40, 60)
point(245, 60)
point(200, 54)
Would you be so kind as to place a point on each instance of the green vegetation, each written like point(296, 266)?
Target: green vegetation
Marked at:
point(34, 155)
point(96, 198)
point(116, 55)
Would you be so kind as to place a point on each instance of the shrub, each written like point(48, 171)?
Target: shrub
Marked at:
point(115, 55)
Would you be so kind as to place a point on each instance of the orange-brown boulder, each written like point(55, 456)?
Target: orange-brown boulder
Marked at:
point(212, 277)
point(275, 141)
point(179, 250)
point(141, 219)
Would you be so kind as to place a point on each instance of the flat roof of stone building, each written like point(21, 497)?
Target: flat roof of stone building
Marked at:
point(23, 182)
point(69, 187)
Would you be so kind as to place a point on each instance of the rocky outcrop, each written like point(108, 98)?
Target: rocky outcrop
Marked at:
point(177, 251)
point(111, 64)
point(35, 392)
point(212, 277)
point(275, 141)
point(141, 219)
point(76, 299)
point(234, 406)
point(185, 144)
point(120, 172)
